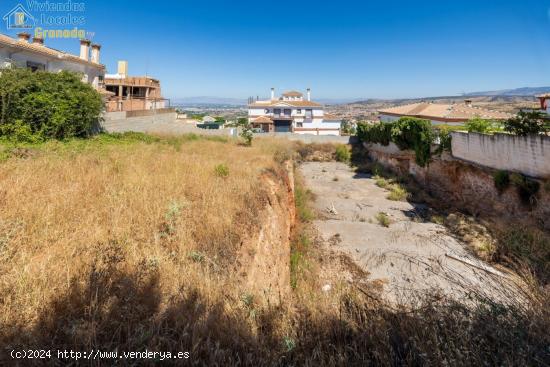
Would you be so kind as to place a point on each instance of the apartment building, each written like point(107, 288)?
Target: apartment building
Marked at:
point(133, 93)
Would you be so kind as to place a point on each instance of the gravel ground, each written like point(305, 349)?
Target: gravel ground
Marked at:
point(411, 256)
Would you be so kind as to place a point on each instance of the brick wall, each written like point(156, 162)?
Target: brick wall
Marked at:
point(529, 155)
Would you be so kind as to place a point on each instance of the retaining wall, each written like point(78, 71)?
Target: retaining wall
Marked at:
point(529, 155)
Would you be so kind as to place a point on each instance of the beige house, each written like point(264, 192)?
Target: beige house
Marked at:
point(35, 55)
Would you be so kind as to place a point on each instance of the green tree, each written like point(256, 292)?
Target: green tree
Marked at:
point(526, 123)
point(246, 131)
point(479, 125)
point(41, 105)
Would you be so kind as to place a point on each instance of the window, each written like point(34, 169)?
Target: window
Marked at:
point(266, 111)
point(277, 111)
point(287, 112)
point(34, 66)
point(299, 111)
point(309, 112)
point(299, 124)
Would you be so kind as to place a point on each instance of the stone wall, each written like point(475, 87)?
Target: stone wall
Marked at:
point(529, 155)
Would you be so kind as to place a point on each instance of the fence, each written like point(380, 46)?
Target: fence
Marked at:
point(529, 155)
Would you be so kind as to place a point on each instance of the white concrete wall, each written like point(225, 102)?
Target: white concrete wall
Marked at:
point(529, 155)
point(388, 118)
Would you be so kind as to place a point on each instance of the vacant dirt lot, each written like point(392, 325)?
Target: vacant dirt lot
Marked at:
point(406, 253)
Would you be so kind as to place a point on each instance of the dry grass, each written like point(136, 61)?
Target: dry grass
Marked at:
point(122, 217)
point(130, 243)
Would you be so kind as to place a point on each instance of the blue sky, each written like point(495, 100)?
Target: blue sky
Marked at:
point(344, 49)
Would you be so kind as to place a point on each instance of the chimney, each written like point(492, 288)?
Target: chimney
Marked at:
point(309, 94)
point(123, 68)
point(468, 102)
point(38, 40)
point(24, 37)
point(272, 94)
point(95, 53)
point(85, 49)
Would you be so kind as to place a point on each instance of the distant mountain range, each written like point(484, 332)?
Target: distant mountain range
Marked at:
point(525, 91)
point(208, 100)
point(224, 101)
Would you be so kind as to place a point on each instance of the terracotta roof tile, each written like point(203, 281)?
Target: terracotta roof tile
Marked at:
point(445, 111)
point(262, 119)
point(44, 50)
point(292, 93)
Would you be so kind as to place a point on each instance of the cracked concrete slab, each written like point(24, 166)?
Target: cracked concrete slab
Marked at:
point(411, 256)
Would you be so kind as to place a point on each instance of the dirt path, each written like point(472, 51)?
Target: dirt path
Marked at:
point(409, 257)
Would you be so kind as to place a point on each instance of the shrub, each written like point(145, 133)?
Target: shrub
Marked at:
point(527, 188)
point(343, 154)
point(383, 219)
point(246, 132)
point(377, 133)
point(221, 170)
point(526, 123)
point(502, 180)
point(39, 106)
point(479, 125)
point(381, 182)
point(406, 133)
point(445, 140)
point(397, 193)
point(415, 134)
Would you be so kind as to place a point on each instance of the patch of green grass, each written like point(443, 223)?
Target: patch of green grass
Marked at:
point(302, 198)
point(221, 170)
point(383, 219)
point(398, 193)
point(343, 154)
point(298, 262)
point(381, 182)
point(99, 143)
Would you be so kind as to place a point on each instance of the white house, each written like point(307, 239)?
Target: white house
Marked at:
point(292, 113)
point(36, 56)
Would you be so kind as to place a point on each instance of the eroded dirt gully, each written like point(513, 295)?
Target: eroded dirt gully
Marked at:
point(264, 256)
point(410, 257)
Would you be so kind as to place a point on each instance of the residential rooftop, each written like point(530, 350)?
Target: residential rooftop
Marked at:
point(450, 112)
point(38, 46)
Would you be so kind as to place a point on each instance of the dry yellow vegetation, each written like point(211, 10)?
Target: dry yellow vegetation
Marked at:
point(132, 242)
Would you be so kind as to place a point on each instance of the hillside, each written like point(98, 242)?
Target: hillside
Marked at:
point(200, 245)
point(502, 103)
point(525, 91)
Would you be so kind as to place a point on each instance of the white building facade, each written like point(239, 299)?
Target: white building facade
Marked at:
point(291, 113)
point(36, 56)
